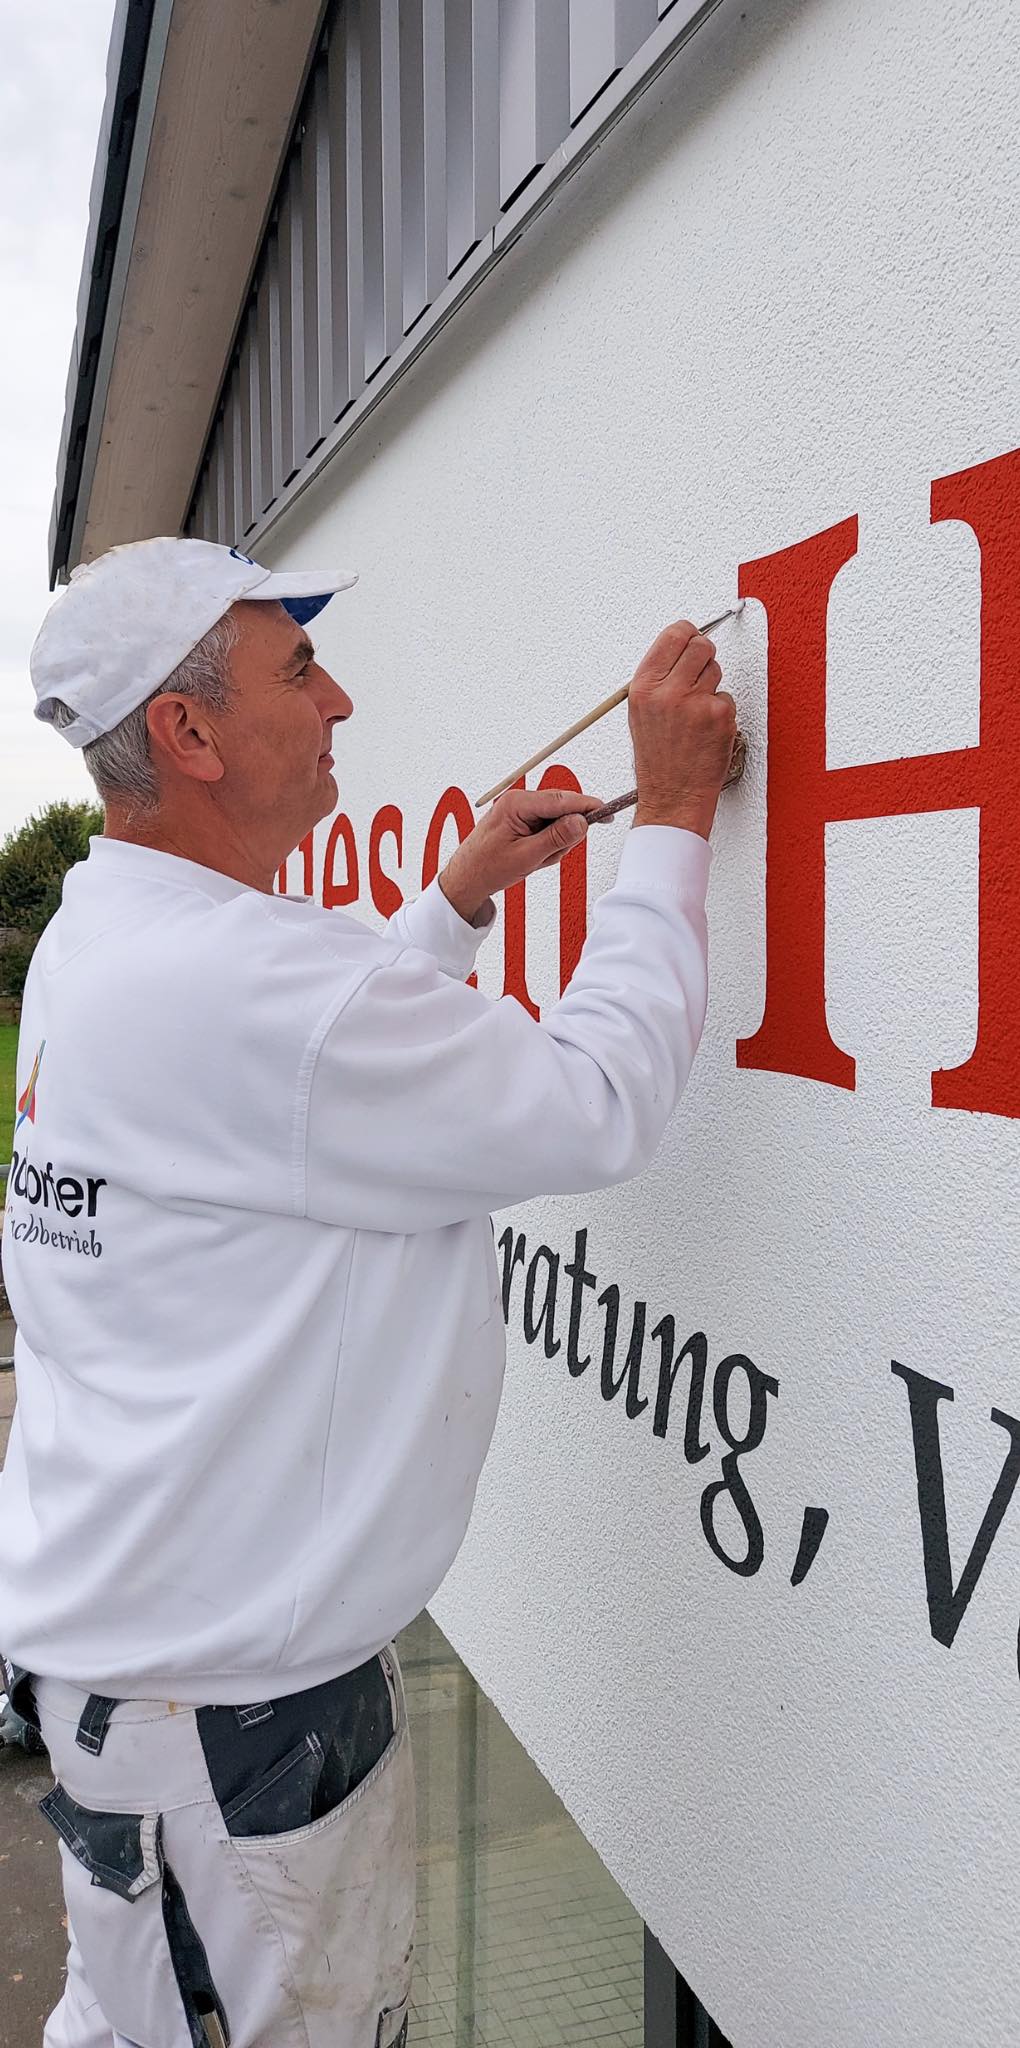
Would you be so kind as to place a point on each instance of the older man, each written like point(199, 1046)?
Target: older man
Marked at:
point(248, 1246)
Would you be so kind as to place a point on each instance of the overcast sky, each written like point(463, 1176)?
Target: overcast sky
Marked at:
point(52, 85)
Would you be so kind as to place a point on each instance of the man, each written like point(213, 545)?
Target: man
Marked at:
point(249, 1251)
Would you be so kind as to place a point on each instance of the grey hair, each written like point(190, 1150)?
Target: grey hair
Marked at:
point(120, 762)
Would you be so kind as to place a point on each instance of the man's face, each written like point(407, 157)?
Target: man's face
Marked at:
point(275, 739)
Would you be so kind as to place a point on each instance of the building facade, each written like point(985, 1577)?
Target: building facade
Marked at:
point(558, 319)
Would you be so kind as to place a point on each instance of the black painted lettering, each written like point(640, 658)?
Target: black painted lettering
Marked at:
point(544, 1324)
point(580, 1278)
point(70, 1195)
point(947, 1604)
point(631, 1372)
point(696, 1349)
point(94, 1187)
point(759, 1386)
point(694, 1449)
point(513, 1256)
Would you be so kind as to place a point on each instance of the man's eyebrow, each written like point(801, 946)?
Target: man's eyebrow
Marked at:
point(304, 651)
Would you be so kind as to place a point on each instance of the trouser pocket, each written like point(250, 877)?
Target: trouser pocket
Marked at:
point(142, 1954)
point(121, 1851)
point(340, 1889)
point(288, 1762)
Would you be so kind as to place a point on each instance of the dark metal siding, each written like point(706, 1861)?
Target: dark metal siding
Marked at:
point(424, 121)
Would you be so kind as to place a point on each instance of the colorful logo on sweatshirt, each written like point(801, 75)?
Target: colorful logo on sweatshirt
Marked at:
point(26, 1102)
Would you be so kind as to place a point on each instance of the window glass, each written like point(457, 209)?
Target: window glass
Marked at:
point(523, 1937)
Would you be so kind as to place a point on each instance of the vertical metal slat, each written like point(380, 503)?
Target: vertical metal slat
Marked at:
point(271, 364)
point(249, 407)
point(345, 213)
point(292, 322)
point(263, 488)
point(308, 363)
point(380, 116)
point(237, 432)
point(316, 254)
point(635, 22)
point(434, 140)
point(208, 527)
point(534, 87)
point(220, 481)
point(196, 524)
point(422, 153)
point(392, 222)
point(592, 50)
point(288, 244)
point(371, 172)
point(604, 35)
point(412, 159)
point(348, 186)
point(229, 529)
point(233, 422)
point(472, 123)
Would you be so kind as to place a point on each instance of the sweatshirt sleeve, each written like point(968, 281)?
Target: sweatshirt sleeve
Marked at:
point(433, 925)
point(429, 1103)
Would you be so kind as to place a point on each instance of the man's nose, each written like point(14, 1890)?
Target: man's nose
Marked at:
point(335, 703)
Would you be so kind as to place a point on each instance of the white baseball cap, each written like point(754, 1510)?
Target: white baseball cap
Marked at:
point(126, 620)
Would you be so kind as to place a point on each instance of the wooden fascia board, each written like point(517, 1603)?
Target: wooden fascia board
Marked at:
point(232, 78)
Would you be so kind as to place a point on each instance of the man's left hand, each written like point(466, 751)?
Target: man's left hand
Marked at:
point(523, 830)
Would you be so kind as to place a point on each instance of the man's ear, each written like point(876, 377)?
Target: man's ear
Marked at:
point(183, 738)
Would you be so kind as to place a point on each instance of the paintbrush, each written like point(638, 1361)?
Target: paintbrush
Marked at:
point(738, 762)
point(609, 704)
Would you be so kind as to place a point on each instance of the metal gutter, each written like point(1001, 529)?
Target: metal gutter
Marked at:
point(137, 46)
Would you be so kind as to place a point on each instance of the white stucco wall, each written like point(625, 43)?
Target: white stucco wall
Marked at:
point(784, 292)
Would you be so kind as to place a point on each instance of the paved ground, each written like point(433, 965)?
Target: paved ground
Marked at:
point(32, 1941)
point(31, 1907)
point(524, 1941)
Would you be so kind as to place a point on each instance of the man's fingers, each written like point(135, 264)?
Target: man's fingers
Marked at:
point(710, 677)
point(698, 656)
point(564, 832)
point(548, 844)
point(681, 654)
point(531, 810)
point(665, 652)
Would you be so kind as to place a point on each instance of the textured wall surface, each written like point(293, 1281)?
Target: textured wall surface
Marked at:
point(782, 294)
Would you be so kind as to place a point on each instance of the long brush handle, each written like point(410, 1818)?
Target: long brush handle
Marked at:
point(607, 704)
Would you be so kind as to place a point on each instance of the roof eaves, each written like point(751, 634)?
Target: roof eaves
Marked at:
point(137, 42)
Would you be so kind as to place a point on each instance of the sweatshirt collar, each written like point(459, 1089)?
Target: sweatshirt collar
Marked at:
point(149, 864)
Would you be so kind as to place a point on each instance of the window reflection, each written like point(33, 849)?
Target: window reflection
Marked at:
point(523, 1937)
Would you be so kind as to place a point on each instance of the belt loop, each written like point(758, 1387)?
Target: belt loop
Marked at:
point(94, 1722)
point(249, 1717)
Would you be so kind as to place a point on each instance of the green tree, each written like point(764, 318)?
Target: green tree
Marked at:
point(33, 863)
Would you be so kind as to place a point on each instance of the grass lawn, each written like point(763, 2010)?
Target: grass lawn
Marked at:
point(8, 1052)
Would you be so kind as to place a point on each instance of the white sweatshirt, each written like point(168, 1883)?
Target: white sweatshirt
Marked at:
point(247, 1243)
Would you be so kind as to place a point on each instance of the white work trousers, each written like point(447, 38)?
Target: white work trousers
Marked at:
point(308, 1935)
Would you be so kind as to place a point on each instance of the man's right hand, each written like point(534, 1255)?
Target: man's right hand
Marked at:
point(683, 728)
